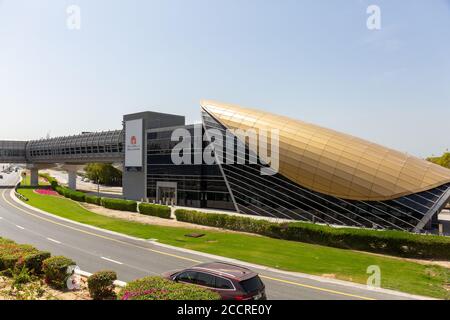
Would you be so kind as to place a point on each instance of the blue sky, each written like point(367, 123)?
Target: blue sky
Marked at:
point(311, 60)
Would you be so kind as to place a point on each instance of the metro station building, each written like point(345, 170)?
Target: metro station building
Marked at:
point(323, 176)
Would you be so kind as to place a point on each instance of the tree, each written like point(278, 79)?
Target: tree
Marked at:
point(443, 160)
point(103, 173)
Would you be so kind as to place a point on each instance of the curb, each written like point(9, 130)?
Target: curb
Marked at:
point(231, 260)
point(86, 274)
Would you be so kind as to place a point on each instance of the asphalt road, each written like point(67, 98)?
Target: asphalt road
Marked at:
point(95, 250)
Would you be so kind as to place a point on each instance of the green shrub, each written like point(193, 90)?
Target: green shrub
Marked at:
point(154, 210)
point(398, 243)
point(157, 288)
point(55, 270)
point(4, 241)
point(101, 285)
point(53, 182)
point(60, 190)
point(75, 195)
point(12, 253)
point(94, 200)
point(8, 262)
point(63, 191)
point(33, 261)
point(119, 204)
point(224, 221)
point(20, 277)
point(71, 194)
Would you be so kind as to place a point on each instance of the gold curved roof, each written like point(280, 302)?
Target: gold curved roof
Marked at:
point(335, 163)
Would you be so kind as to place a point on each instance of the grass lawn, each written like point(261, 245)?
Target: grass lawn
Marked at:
point(287, 255)
point(25, 180)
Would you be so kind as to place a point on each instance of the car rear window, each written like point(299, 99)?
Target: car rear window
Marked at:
point(252, 284)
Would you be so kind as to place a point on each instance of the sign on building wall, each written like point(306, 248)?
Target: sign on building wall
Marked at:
point(133, 143)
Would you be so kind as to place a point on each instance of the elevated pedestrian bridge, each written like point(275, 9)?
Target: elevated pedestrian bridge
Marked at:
point(78, 149)
point(13, 151)
point(69, 153)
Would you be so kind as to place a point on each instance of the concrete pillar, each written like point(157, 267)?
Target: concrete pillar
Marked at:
point(71, 170)
point(34, 177)
point(72, 180)
point(34, 171)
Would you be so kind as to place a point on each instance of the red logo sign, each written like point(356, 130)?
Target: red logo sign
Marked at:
point(133, 140)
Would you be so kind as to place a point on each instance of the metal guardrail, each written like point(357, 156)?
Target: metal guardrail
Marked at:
point(20, 196)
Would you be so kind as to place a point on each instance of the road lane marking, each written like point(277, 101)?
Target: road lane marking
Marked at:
point(111, 260)
point(316, 288)
point(21, 228)
point(53, 240)
point(97, 235)
point(177, 256)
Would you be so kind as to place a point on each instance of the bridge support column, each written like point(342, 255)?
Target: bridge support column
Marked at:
point(71, 170)
point(34, 177)
point(72, 180)
point(34, 171)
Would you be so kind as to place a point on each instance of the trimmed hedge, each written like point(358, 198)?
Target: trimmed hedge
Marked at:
point(75, 195)
point(93, 200)
point(397, 243)
point(119, 204)
point(13, 255)
point(55, 270)
point(60, 190)
point(64, 191)
point(53, 182)
point(101, 285)
point(224, 221)
point(34, 261)
point(71, 194)
point(157, 288)
point(155, 210)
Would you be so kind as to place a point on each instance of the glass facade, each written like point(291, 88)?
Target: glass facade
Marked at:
point(277, 196)
point(324, 176)
point(197, 185)
point(331, 162)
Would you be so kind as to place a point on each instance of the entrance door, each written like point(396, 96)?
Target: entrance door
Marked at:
point(166, 193)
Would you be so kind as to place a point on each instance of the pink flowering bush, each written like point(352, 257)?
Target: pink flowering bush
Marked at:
point(157, 288)
point(46, 192)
